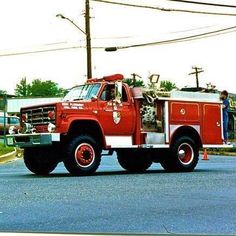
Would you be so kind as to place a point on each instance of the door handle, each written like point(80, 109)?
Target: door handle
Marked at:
point(218, 124)
point(109, 110)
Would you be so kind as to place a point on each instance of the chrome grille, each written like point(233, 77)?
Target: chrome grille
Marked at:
point(38, 115)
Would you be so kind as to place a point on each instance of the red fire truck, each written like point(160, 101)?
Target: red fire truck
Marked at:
point(106, 115)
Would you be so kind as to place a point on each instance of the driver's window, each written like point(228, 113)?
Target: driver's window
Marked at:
point(124, 95)
point(108, 93)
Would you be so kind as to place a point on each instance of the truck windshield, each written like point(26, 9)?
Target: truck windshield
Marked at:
point(82, 92)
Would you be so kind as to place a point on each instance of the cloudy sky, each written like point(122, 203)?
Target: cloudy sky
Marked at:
point(28, 26)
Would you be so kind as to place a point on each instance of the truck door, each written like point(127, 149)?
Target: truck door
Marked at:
point(116, 118)
point(212, 130)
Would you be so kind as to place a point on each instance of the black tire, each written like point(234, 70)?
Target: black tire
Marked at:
point(40, 161)
point(182, 156)
point(83, 156)
point(134, 161)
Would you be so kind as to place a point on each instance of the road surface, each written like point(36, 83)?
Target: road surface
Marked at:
point(112, 201)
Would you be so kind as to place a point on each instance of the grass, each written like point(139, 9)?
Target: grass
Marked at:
point(223, 151)
point(5, 149)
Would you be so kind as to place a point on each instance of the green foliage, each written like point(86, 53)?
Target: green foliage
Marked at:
point(2, 92)
point(38, 88)
point(47, 88)
point(167, 85)
point(222, 151)
point(136, 83)
point(5, 149)
point(22, 89)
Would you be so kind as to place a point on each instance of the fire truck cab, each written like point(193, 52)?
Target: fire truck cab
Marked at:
point(106, 115)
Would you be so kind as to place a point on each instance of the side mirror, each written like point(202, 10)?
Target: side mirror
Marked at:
point(118, 91)
point(94, 98)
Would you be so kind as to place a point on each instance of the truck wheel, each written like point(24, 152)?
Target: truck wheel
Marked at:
point(133, 161)
point(83, 156)
point(40, 161)
point(182, 156)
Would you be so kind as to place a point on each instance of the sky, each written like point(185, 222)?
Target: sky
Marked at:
point(28, 25)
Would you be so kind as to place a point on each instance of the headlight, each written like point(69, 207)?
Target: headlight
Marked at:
point(12, 129)
point(51, 128)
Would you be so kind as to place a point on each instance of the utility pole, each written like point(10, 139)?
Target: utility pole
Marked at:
point(196, 71)
point(88, 39)
point(134, 75)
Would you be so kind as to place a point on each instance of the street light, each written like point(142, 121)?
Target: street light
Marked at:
point(71, 21)
point(87, 33)
point(154, 78)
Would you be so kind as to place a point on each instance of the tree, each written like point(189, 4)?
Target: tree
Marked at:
point(47, 88)
point(136, 83)
point(38, 88)
point(22, 89)
point(167, 85)
point(2, 92)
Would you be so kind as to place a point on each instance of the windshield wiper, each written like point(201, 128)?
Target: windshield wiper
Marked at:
point(77, 99)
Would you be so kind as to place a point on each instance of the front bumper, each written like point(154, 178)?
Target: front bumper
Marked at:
point(30, 140)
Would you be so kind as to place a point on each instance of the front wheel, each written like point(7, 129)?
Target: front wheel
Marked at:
point(83, 156)
point(182, 156)
point(40, 161)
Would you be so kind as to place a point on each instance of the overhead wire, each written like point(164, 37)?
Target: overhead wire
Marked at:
point(192, 29)
point(4, 54)
point(183, 39)
point(204, 3)
point(169, 41)
point(164, 9)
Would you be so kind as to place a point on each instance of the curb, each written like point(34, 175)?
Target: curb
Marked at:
point(8, 157)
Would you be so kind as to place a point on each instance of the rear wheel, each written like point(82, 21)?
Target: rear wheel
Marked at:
point(134, 161)
point(40, 161)
point(83, 156)
point(182, 156)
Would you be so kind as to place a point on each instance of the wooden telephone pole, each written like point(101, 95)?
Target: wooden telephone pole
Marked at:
point(88, 39)
point(196, 71)
point(134, 75)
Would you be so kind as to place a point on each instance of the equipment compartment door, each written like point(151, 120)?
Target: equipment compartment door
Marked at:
point(211, 129)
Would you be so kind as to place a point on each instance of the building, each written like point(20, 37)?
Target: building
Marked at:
point(14, 104)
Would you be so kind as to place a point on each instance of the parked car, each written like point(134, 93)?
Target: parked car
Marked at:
point(10, 120)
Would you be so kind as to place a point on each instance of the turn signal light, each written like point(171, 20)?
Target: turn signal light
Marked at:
point(51, 115)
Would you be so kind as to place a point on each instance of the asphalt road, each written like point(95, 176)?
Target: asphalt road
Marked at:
point(113, 201)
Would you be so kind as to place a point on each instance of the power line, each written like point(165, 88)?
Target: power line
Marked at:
point(38, 51)
point(192, 29)
point(204, 3)
point(177, 40)
point(164, 9)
